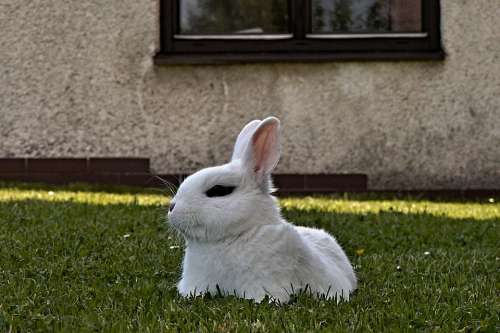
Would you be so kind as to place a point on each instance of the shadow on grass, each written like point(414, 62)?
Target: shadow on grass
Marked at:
point(167, 190)
point(83, 187)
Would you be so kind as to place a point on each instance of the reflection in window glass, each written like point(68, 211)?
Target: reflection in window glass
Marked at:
point(233, 16)
point(366, 16)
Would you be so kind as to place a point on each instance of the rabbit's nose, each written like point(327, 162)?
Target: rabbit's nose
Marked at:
point(171, 207)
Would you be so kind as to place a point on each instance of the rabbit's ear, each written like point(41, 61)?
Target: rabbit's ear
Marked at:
point(263, 150)
point(243, 139)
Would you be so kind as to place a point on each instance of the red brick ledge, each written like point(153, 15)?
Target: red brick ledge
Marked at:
point(136, 172)
point(73, 165)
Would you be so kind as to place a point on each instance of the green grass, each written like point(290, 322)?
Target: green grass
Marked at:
point(85, 259)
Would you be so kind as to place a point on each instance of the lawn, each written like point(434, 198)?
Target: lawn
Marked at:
point(85, 259)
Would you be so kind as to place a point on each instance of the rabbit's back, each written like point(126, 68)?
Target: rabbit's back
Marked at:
point(329, 250)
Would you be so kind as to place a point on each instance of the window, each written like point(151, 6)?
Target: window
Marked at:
point(220, 31)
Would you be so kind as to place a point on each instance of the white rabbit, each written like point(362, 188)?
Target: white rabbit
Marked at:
point(237, 243)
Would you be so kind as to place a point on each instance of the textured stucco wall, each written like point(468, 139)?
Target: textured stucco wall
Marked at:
point(77, 79)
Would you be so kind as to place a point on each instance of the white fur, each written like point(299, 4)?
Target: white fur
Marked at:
point(239, 244)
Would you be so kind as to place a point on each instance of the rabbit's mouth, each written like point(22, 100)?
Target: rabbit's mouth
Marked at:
point(188, 224)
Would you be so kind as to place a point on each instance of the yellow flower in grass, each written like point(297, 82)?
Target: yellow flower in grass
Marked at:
point(360, 252)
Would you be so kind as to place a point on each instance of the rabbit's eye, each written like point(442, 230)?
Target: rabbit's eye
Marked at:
point(220, 191)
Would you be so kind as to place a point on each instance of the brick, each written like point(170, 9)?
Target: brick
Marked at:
point(13, 177)
point(112, 178)
point(47, 178)
point(138, 179)
point(348, 182)
point(122, 165)
point(56, 165)
point(8, 165)
point(289, 182)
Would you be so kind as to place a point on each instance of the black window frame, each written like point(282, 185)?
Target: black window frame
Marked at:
point(399, 46)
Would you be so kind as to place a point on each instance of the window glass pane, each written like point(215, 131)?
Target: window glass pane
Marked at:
point(366, 16)
point(233, 16)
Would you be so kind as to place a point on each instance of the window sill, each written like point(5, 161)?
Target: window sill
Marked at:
point(243, 58)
